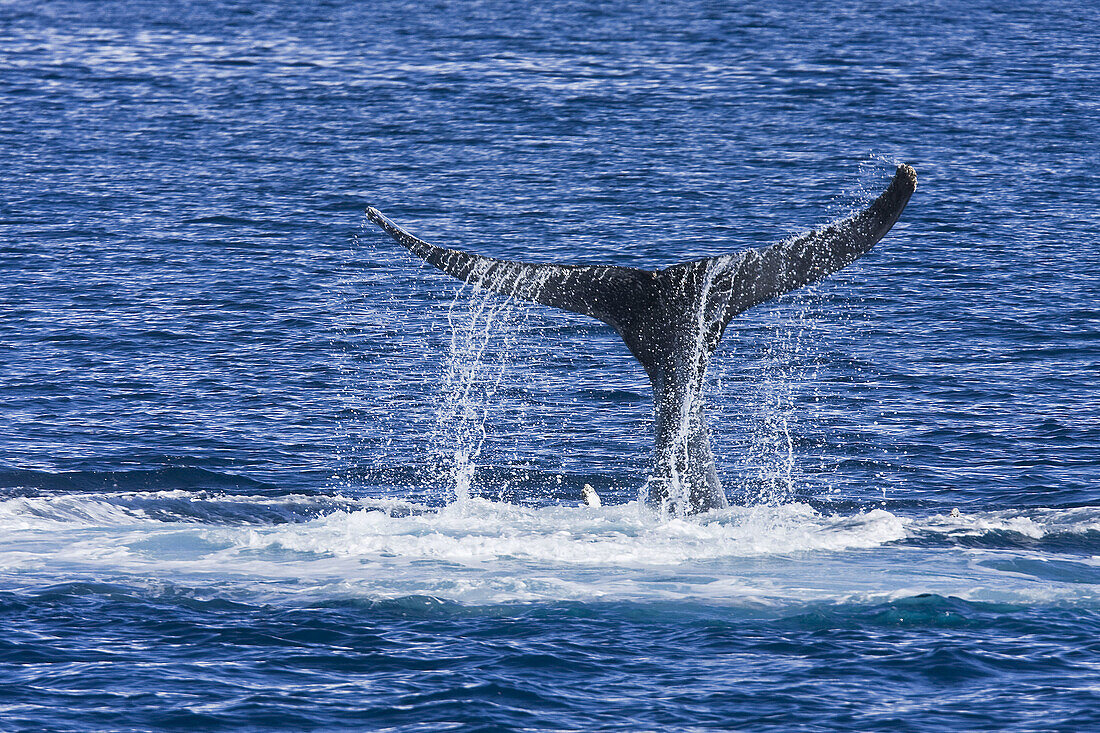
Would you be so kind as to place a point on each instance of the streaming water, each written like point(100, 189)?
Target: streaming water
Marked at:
point(471, 380)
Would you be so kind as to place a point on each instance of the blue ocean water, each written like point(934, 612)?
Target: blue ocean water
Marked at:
point(261, 470)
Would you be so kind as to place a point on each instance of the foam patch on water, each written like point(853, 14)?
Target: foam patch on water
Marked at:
point(480, 531)
point(480, 551)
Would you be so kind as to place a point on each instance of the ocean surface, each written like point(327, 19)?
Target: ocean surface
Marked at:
point(260, 469)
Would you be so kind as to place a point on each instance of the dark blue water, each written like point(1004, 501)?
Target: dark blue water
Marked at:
point(234, 419)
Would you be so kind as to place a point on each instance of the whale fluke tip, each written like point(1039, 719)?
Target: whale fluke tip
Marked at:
point(908, 174)
point(375, 216)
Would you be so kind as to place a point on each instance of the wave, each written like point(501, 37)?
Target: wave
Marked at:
point(927, 610)
point(22, 481)
point(213, 508)
point(1068, 530)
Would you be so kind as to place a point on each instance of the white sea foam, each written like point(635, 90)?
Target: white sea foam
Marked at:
point(480, 551)
point(45, 513)
point(1035, 523)
point(480, 530)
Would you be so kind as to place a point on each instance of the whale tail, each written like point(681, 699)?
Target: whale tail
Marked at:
point(672, 319)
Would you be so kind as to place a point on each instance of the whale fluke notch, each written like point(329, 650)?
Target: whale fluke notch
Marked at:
point(673, 318)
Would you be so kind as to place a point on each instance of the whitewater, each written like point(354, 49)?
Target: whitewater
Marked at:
point(480, 552)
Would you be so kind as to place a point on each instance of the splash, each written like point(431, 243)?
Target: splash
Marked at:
point(485, 552)
point(765, 407)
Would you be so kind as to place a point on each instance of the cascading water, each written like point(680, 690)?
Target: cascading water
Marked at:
point(691, 420)
point(483, 327)
point(761, 378)
point(671, 319)
point(472, 375)
point(770, 454)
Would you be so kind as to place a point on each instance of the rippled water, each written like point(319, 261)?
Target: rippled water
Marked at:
point(231, 408)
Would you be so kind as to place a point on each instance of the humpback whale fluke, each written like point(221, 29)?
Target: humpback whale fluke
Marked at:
point(673, 319)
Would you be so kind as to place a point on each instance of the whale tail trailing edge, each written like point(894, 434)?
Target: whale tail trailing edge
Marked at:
point(597, 291)
point(672, 319)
